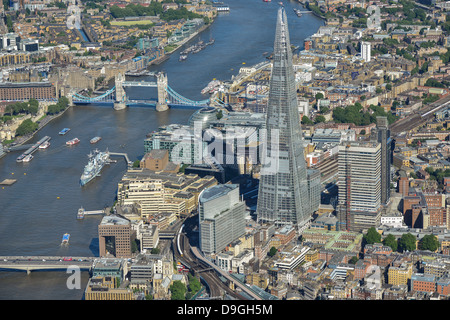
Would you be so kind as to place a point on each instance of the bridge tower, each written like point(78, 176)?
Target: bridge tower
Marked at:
point(70, 98)
point(161, 81)
point(121, 97)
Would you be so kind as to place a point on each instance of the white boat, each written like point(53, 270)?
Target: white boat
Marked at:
point(45, 145)
point(73, 142)
point(211, 86)
point(28, 158)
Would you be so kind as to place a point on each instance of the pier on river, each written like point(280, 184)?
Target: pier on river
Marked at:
point(32, 149)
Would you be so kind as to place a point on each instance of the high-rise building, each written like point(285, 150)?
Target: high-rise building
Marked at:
point(383, 136)
point(283, 197)
point(359, 182)
point(365, 51)
point(221, 217)
point(114, 235)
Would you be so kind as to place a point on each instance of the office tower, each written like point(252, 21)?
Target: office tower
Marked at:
point(283, 196)
point(314, 188)
point(383, 136)
point(365, 51)
point(359, 182)
point(221, 217)
point(114, 235)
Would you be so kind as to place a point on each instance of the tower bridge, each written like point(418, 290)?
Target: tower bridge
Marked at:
point(166, 96)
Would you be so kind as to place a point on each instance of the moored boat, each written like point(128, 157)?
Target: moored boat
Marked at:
point(80, 214)
point(211, 87)
point(45, 145)
point(20, 158)
point(97, 160)
point(73, 141)
point(298, 12)
point(28, 158)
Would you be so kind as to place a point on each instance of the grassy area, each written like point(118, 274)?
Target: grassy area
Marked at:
point(8, 142)
point(130, 23)
point(170, 48)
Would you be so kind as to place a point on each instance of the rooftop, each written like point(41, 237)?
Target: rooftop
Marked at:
point(216, 192)
point(114, 220)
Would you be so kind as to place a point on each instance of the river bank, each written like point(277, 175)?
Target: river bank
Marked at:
point(48, 118)
point(180, 44)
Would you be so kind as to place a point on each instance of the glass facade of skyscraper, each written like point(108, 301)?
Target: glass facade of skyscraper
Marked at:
point(283, 196)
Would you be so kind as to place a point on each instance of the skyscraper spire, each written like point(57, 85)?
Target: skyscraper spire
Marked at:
point(283, 189)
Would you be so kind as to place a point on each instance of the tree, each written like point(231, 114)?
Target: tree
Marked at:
point(353, 260)
point(319, 95)
point(324, 109)
point(407, 242)
point(26, 127)
point(429, 242)
point(372, 236)
point(320, 118)
point(33, 106)
point(306, 120)
point(194, 284)
point(134, 246)
point(178, 290)
point(64, 102)
point(390, 241)
point(272, 252)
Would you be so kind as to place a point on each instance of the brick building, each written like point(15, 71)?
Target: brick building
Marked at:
point(28, 90)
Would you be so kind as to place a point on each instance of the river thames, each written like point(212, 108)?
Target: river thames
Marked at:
point(41, 206)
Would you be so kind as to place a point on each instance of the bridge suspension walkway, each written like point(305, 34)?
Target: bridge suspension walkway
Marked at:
point(166, 95)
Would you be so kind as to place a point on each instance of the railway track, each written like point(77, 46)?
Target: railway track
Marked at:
point(417, 119)
point(216, 287)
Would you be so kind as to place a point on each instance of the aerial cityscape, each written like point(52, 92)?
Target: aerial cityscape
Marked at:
point(256, 150)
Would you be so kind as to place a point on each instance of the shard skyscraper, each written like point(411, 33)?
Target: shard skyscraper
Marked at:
point(284, 195)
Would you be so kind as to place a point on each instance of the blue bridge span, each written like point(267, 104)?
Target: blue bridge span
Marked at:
point(166, 96)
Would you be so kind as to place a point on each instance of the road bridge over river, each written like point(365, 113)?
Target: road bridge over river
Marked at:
point(30, 263)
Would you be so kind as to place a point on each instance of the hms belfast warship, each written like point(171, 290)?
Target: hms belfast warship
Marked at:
point(97, 160)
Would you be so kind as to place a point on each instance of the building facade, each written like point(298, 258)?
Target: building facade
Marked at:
point(28, 90)
point(114, 234)
point(221, 217)
point(359, 176)
point(365, 51)
point(383, 136)
point(283, 196)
